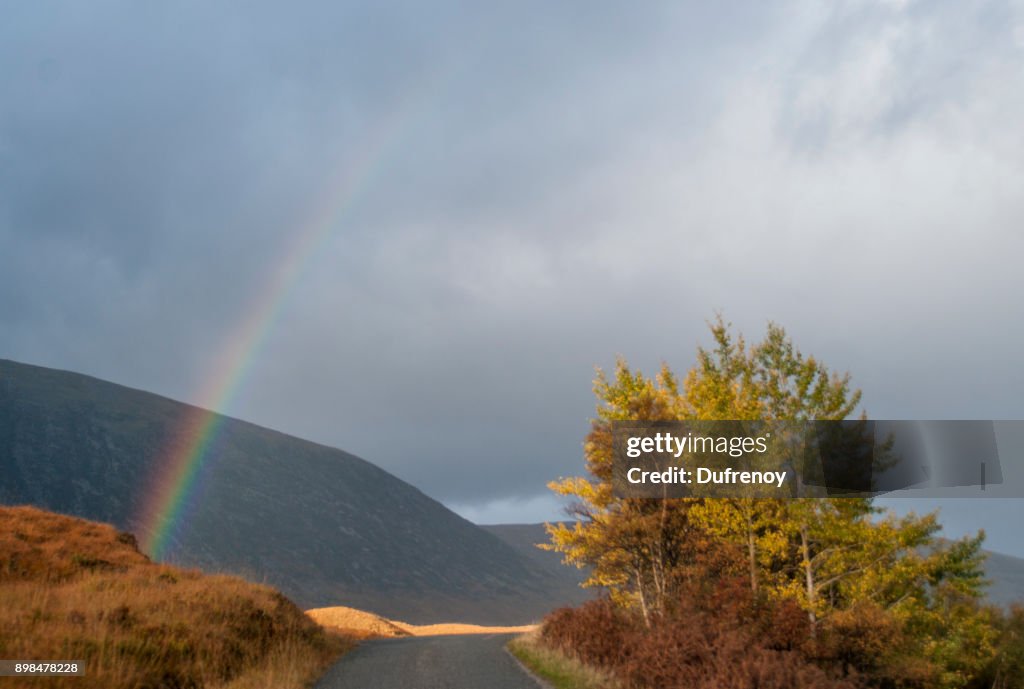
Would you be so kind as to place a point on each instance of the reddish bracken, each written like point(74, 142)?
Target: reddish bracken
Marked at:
point(746, 646)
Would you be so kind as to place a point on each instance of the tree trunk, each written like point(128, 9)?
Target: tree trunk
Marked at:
point(805, 548)
point(751, 548)
point(643, 598)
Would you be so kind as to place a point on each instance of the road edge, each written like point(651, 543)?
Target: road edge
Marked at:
point(542, 683)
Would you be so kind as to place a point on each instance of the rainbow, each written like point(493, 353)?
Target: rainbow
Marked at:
point(178, 465)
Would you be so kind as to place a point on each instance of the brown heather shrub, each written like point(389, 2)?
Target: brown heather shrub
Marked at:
point(744, 645)
point(76, 590)
point(594, 632)
point(700, 653)
point(867, 642)
point(861, 637)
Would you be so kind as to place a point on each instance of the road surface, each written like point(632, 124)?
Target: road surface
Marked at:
point(472, 661)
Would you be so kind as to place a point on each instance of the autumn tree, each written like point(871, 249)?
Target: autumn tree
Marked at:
point(826, 554)
point(769, 380)
point(634, 547)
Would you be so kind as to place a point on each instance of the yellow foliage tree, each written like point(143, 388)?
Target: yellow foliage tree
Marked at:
point(828, 554)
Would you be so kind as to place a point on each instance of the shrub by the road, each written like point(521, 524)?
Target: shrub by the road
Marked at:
point(691, 650)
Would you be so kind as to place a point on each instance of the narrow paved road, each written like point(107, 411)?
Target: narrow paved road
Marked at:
point(475, 661)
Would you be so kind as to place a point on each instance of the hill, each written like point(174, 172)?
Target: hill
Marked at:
point(1007, 576)
point(324, 526)
point(79, 590)
point(525, 538)
point(564, 580)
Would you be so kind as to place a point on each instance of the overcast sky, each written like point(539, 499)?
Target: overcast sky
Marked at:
point(514, 194)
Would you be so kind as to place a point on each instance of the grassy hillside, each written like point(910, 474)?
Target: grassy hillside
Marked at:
point(324, 526)
point(78, 590)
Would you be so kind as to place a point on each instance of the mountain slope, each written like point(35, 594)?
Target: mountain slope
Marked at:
point(324, 526)
point(1007, 576)
point(564, 579)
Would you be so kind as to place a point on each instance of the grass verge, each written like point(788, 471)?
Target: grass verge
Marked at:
point(556, 668)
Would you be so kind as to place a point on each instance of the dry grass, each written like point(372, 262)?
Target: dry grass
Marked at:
point(357, 621)
point(291, 664)
point(558, 669)
point(366, 623)
point(73, 589)
point(459, 628)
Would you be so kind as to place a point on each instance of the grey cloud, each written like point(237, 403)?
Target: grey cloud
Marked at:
point(546, 187)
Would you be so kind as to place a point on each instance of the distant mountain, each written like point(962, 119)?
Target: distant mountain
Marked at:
point(324, 526)
point(564, 579)
point(1007, 576)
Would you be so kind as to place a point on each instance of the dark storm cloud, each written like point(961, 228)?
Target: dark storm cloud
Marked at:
point(556, 184)
point(149, 158)
point(164, 154)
